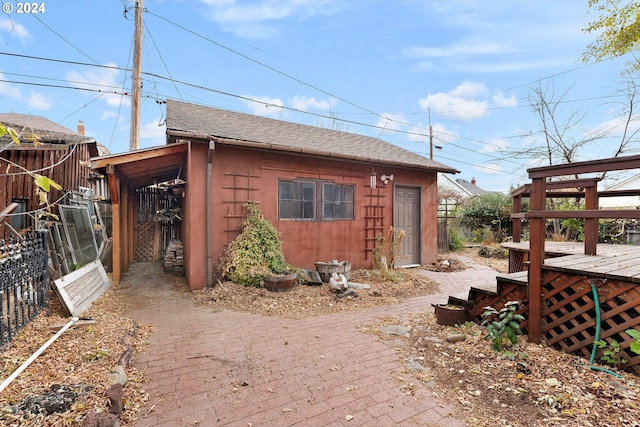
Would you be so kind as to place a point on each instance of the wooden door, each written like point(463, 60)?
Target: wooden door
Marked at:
point(406, 217)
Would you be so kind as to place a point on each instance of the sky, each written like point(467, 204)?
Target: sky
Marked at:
point(467, 70)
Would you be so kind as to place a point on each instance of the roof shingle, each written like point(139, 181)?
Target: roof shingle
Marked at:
point(245, 129)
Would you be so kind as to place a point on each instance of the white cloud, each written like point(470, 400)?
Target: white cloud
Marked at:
point(499, 100)
point(35, 100)
point(265, 106)
point(7, 89)
point(14, 29)
point(464, 47)
point(461, 103)
point(304, 103)
point(107, 115)
point(103, 79)
point(153, 130)
point(251, 19)
point(495, 146)
point(38, 101)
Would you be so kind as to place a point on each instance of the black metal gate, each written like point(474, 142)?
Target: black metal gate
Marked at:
point(24, 282)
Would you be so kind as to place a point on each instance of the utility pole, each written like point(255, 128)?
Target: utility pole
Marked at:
point(136, 82)
point(430, 142)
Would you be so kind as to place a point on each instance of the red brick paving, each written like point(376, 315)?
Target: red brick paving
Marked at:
point(226, 368)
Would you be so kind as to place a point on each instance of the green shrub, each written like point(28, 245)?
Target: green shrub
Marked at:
point(255, 253)
point(456, 241)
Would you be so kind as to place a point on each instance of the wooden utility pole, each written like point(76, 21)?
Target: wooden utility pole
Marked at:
point(136, 82)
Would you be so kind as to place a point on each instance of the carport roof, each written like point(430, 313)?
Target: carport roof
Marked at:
point(147, 166)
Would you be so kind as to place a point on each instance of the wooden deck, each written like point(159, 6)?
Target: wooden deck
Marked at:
point(570, 255)
point(574, 248)
point(570, 281)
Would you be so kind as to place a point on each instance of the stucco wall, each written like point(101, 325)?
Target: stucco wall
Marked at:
point(243, 174)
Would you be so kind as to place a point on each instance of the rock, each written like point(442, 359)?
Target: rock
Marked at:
point(421, 342)
point(58, 398)
point(100, 419)
point(115, 399)
point(314, 276)
point(358, 285)
point(347, 293)
point(413, 364)
point(395, 330)
point(117, 375)
point(456, 338)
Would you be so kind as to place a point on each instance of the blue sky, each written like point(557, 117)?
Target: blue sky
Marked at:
point(388, 69)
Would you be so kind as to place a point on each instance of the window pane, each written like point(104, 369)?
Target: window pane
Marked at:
point(338, 201)
point(296, 200)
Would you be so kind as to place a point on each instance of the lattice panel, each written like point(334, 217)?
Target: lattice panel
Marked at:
point(144, 244)
point(517, 260)
point(569, 314)
point(506, 293)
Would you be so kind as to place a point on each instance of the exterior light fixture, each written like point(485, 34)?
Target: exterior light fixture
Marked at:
point(386, 178)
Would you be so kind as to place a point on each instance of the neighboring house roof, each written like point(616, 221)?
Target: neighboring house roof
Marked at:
point(471, 187)
point(447, 181)
point(186, 120)
point(46, 130)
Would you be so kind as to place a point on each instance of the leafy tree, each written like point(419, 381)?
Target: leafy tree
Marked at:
point(489, 210)
point(618, 25)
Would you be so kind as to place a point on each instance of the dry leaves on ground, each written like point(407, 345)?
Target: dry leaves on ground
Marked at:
point(79, 358)
point(307, 301)
point(548, 387)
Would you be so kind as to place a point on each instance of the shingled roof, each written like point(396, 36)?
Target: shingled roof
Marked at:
point(189, 120)
point(46, 130)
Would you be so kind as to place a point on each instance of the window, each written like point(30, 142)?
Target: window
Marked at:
point(19, 218)
point(297, 199)
point(315, 200)
point(337, 201)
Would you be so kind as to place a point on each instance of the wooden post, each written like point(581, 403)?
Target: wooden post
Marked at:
point(132, 219)
point(591, 224)
point(516, 224)
point(124, 210)
point(114, 190)
point(136, 82)
point(156, 226)
point(536, 259)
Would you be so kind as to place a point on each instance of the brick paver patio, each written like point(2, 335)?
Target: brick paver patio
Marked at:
point(227, 368)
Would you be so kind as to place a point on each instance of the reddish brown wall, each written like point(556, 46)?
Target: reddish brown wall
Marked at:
point(242, 174)
point(69, 173)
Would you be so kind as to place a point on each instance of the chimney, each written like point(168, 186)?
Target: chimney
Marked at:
point(80, 127)
point(473, 180)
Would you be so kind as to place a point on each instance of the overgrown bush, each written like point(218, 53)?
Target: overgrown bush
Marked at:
point(255, 253)
point(490, 210)
point(456, 241)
